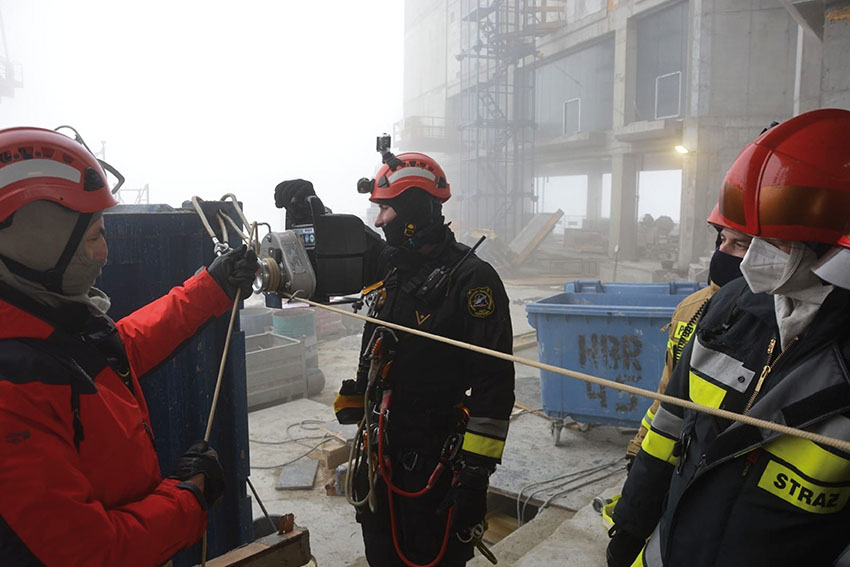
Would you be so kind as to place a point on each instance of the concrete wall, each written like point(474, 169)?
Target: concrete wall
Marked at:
point(425, 52)
point(742, 70)
point(835, 82)
point(748, 62)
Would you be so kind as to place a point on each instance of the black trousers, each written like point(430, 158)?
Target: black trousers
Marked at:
point(420, 528)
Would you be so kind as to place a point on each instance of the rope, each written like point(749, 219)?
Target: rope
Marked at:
point(663, 398)
point(233, 311)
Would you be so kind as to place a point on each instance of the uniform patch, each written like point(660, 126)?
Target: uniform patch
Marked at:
point(421, 318)
point(480, 302)
point(801, 492)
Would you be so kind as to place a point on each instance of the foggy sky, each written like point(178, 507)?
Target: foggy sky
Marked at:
point(207, 97)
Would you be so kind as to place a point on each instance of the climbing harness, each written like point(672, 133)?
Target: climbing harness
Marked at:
point(371, 438)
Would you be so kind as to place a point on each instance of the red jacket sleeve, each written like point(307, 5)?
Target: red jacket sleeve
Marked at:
point(151, 333)
point(59, 519)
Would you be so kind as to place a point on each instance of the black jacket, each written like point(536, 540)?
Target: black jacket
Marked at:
point(728, 494)
point(429, 378)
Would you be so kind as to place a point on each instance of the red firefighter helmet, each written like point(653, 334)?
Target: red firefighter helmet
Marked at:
point(715, 218)
point(793, 181)
point(416, 170)
point(38, 164)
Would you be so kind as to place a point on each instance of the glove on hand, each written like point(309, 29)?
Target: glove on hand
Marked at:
point(623, 548)
point(235, 270)
point(292, 196)
point(468, 495)
point(201, 459)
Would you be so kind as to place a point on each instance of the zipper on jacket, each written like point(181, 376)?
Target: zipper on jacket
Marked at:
point(768, 366)
point(751, 459)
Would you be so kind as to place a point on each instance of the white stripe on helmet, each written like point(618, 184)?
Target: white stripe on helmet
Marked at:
point(411, 172)
point(35, 168)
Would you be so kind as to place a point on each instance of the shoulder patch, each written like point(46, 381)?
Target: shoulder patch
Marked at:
point(480, 301)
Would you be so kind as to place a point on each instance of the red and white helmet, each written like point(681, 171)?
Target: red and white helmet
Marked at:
point(415, 170)
point(792, 182)
point(38, 164)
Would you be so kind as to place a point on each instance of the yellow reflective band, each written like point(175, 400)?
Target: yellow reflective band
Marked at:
point(806, 495)
point(347, 401)
point(481, 445)
point(810, 459)
point(682, 329)
point(647, 418)
point(608, 509)
point(638, 562)
point(660, 447)
point(704, 392)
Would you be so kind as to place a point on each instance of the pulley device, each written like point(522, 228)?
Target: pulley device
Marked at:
point(322, 258)
point(319, 259)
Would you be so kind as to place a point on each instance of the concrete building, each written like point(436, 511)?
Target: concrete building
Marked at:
point(10, 72)
point(510, 94)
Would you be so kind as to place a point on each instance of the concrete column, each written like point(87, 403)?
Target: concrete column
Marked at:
point(594, 195)
point(835, 81)
point(702, 174)
point(622, 229)
point(807, 77)
point(625, 69)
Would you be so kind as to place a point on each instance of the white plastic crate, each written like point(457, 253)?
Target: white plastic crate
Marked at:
point(275, 369)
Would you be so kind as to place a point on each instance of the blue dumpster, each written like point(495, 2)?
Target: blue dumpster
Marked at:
point(614, 331)
point(152, 249)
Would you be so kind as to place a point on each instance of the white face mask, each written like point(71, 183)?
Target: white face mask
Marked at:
point(767, 268)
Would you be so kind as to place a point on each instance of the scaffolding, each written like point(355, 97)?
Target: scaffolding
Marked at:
point(498, 45)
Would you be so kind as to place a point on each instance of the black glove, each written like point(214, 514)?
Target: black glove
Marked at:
point(623, 548)
point(235, 270)
point(292, 196)
point(201, 459)
point(468, 495)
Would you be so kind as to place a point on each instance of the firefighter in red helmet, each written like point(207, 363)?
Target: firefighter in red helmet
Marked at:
point(420, 482)
point(774, 345)
point(80, 478)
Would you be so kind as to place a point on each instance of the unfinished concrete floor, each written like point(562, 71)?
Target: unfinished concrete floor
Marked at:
point(587, 463)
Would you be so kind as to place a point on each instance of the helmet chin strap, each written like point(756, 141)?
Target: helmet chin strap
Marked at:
point(52, 279)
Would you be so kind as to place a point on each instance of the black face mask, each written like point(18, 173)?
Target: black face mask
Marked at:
point(418, 220)
point(394, 232)
point(724, 268)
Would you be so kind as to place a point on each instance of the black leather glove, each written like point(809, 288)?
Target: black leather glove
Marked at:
point(292, 196)
point(623, 548)
point(468, 495)
point(235, 270)
point(201, 459)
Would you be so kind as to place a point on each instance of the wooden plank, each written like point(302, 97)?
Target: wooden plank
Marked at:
point(532, 235)
point(288, 550)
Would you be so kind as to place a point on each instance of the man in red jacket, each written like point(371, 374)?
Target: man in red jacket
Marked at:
point(79, 478)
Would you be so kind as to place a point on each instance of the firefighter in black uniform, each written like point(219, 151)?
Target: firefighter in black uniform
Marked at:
point(421, 483)
point(774, 345)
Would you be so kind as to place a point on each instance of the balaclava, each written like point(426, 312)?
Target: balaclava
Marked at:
point(35, 237)
point(419, 219)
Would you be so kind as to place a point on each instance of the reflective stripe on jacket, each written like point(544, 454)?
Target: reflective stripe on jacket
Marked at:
point(727, 494)
point(682, 326)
